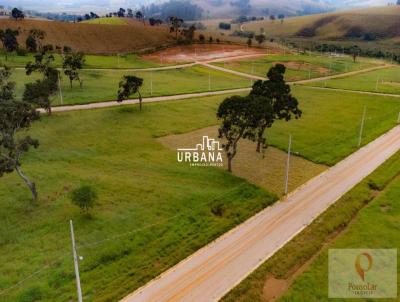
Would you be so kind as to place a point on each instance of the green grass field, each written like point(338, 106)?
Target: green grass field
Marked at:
point(141, 185)
point(330, 126)
point(122, 61)
point(312, 285)
point(384, 212)
point(107, 21)
point(102, 85)
point(383, 80)
point(299, 67)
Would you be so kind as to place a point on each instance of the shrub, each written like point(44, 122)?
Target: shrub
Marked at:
point(31, 295)
point(225, 26)
point(22, 52)
point(48, 47)
point(84, 197)
point(218, 209)
point(202, 38)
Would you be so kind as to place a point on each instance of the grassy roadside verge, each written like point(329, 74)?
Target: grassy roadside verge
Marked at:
point(305, 245)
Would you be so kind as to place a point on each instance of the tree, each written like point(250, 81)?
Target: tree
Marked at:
point(355, 52)
point(42, 64)
point(93, 15)
point(272, 18)
point(210, 40)
point(175, 24)
point(121, 12)
point(189, 34)
point(31, 44)
point(40, 92)
point(8, 38)
point(85, 197)
point(129, 13)
point(235, 124)
point(139, 16)
point(202, 38)
point(281, 17)
point(130, 85)
point(17, 14)
point(260, 38)
point(15, 118)
point(38, 35)
point(279, 104)
point(72, 64)
point(249, 42)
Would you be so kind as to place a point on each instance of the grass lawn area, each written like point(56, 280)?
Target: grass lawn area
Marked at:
point(108, 21)
point(329, 128)
point(383, 80)
point(102, 85)
point(376, 226)
point(266, 171)
point(122, 61)
point(299, 67)
point(140, 185)
point(384, 212)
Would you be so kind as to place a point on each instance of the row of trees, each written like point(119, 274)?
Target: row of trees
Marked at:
point(16, 116)
point(248, 117)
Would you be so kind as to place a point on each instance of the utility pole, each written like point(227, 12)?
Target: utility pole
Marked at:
point(118, 59)
point(362, 126)
point(59, 88)
point(209, 81)
point(377, 82)
point(78, 280)
point(151, 83)
point(288, 165)
point(398, 119)
point(252, 68)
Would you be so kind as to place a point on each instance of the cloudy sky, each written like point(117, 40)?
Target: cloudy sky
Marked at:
point(107, 5)
point(74, 5)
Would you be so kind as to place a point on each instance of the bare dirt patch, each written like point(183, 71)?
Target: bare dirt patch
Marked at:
point(267, 172)
point(391, 83)
point(200, 52)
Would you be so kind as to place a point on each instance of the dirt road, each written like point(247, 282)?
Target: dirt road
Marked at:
point(145, 100)
point(216, 268)
point(354, 91)
point(200, 94)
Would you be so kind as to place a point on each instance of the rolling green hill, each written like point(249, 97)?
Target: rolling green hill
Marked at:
point(379, 23)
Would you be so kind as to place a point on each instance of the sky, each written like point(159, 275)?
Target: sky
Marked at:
point(102, 6)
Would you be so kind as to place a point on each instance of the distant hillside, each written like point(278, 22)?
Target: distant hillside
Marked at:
point(234, 8)
point(365, 24)
point(95, 38)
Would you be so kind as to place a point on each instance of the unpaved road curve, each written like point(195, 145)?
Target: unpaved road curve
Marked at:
point(354, 91)
point(216, 268)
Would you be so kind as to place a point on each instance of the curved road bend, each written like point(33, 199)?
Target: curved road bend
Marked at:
point(216, 268)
